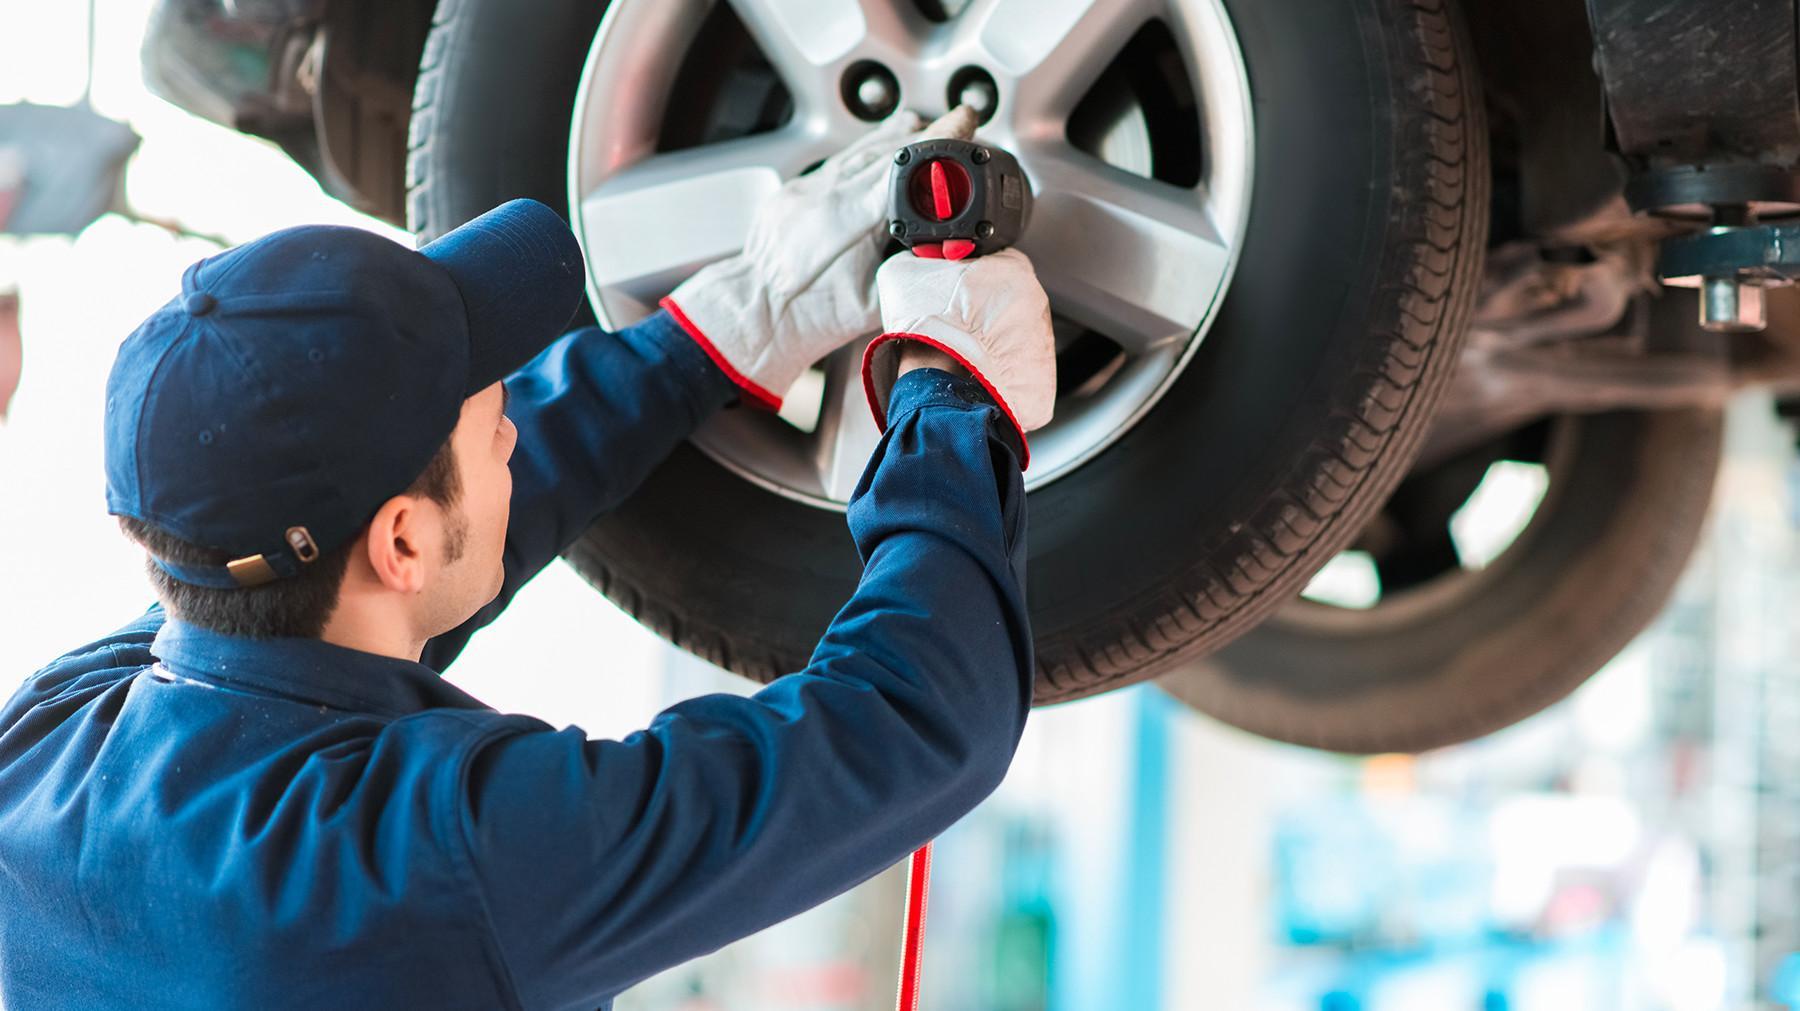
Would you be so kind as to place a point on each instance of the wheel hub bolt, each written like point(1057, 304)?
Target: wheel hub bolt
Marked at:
point(1730, 305)
point(870, 91)
point(975, 88)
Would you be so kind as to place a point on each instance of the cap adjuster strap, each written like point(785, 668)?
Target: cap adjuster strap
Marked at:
point(251, 570)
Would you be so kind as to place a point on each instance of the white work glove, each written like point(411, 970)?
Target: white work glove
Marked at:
point(987, 312)
point(804, 285)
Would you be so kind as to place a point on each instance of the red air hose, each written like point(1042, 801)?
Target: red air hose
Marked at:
point(912, 940)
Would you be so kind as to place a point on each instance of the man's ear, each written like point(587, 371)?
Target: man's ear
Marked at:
point(397, 540)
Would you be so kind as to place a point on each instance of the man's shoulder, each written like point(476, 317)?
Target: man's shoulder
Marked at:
point(94, 667)
point(125, 650)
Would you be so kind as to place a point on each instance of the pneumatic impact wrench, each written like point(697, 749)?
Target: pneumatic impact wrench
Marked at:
point(951, 199)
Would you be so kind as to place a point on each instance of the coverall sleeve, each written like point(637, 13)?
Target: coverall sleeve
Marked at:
point(603, 862)
point(596, 412)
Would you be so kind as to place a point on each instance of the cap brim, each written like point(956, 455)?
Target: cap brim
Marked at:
point(520, 272)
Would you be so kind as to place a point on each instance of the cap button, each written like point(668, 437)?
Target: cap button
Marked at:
point(199, 303)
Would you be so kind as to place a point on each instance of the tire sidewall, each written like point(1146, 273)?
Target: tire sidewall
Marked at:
point(1471, 653)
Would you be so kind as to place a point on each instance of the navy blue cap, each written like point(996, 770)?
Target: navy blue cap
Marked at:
point(301, 380)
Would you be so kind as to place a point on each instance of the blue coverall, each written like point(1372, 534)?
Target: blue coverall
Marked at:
point(189, 819)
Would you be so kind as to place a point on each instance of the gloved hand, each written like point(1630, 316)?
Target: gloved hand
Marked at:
point(989, 313)
point(805, 283)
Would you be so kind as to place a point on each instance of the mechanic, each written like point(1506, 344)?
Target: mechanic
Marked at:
point(262, 793)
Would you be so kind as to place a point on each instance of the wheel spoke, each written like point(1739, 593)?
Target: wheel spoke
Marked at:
point(847, 433)
point(805, 40)
point(650, 225)
point(1135, 259)
point(1053, 50)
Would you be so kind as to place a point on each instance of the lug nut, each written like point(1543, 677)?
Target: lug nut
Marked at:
point(975, 88)
point(897, 229)
point(874, 93)
point(903, 157)
point(980, 156)
point(870, 91)
point(985, 230)
point(1728, 305)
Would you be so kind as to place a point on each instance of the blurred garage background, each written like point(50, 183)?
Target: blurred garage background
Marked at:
point(1636, 846)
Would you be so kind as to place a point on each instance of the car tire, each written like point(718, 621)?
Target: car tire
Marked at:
point(1468, 653)
point(491, 108)
point(1296, 417)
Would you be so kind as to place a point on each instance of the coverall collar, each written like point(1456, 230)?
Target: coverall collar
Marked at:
point(307, 670)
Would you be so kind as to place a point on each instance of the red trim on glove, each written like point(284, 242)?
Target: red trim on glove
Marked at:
point(759, 397)
point(868, 363)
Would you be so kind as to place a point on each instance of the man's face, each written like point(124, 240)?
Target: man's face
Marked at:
point(482, 443)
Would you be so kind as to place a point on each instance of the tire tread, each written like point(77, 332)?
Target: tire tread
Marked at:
point(1440, 246)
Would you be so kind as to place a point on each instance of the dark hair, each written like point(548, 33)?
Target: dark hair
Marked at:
point(296, 607)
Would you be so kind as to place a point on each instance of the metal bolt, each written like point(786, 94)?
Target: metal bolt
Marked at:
point(903, 157)
point(875, 92)
point(897, 229)
point(981, 98)
point(870, 91)
point(980, 156)
point(975, 88)
point(985, 230)
point(1728, 305)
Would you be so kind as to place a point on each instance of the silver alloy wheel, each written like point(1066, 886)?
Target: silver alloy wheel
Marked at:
point(1142, 262)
